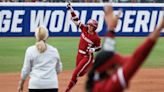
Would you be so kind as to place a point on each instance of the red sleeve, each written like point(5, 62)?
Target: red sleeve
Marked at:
point(130, 65)
point(120, 59)
point(112, 84)
point(76, 20)
point(110, 34)
point(98, 44)
point(83, 28)
point(137, 58)
point(112, 58)
point(73, 14)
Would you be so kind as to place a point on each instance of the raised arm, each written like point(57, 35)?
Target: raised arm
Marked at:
point(75, 19)
point(111, 23)
point(134, 61)
point(156, 33)
point(108, 47)
point(142, 52)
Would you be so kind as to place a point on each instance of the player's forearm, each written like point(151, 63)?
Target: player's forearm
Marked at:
point(109, 42)
point(25, 72)
point(97, 48)
point(59, 67)
point(73, 14)
point(156, 33)
point(75, 19)
point(137, 58)
point(141, 53)
point(21, 82)
point(110, 33)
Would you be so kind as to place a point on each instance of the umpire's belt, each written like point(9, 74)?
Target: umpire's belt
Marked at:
point(82, 52)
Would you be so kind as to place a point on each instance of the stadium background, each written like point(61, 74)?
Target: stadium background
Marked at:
point(12, 49)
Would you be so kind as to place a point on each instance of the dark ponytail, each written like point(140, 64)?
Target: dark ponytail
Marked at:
point(100, 59)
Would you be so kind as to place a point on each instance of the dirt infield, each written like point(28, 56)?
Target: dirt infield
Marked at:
point(146, 80)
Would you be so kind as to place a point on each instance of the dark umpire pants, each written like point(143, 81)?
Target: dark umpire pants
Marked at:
point(43, 90)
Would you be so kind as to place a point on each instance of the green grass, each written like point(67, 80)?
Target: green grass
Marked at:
point(12, 51)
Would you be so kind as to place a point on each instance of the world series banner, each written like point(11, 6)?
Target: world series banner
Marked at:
point(21, 19)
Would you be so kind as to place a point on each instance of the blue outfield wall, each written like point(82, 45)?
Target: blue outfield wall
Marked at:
point(20, 19)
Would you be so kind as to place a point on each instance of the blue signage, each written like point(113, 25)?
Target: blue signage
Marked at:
point(21, 19)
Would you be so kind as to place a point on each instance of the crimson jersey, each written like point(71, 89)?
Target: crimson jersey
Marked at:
point(88, 40)
point(88, 44)
point(129, 65)
point(110, 85)
point(116, 82)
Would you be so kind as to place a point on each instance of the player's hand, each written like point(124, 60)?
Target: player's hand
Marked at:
point(161, 25)
point(20, 88)
point(110, 19)
point(156, 33)
point(69, 5)
point(91, 50)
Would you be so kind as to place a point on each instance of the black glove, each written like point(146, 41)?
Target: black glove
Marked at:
point(69, 6)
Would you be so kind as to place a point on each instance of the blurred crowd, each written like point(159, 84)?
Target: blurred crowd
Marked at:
point(116, 1)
